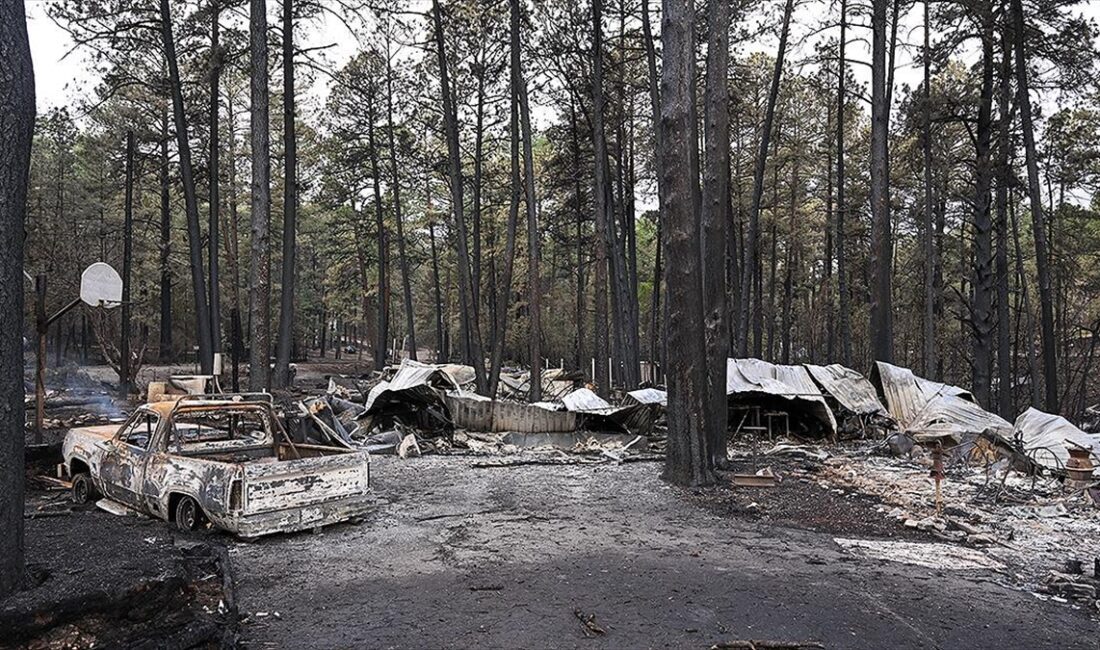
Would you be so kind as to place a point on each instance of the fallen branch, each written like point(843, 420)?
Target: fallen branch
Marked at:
point(588, 624)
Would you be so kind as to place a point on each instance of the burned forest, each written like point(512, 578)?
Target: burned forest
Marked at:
point(549, 324)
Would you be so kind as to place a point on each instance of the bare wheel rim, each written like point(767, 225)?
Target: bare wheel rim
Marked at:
point(187, 515)
point(81, 490)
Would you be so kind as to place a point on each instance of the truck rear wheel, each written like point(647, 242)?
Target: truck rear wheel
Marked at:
point(83, 489)
point(188, 514)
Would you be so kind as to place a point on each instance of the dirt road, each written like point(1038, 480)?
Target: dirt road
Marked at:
point(459, 557)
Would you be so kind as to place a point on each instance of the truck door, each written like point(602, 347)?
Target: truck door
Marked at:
point(122, 470)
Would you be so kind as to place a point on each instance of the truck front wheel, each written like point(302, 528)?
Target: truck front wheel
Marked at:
point(188, 514)
point(83, 489)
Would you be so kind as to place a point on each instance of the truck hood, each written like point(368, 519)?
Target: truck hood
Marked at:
point(81, 441)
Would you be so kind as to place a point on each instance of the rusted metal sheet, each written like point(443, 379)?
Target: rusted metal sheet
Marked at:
point(849, 388)
point(1045, 437)
point(931, 410)
point(746, 378)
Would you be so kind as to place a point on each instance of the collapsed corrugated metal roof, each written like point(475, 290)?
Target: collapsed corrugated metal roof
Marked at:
point(653, 396)
point(928, 409)
point(584, 399)
point(413, 375)
point(748, 377)
point(1044, 436)
point(849, 388)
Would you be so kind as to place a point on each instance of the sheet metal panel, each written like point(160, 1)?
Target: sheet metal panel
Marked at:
point(1043, 434)
point(851, 389)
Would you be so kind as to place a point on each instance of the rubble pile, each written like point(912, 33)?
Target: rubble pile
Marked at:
point(1046, 535)
point(426, 408)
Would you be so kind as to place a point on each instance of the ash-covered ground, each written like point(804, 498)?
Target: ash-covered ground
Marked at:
point(457, 556)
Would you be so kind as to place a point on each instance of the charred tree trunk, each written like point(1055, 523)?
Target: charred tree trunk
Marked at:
point(454, 154)
point(383, 248)
point(600, 199)
point(578, 198)
point(1039, 227)
point(395, 181)
point(285, 341)
point(688, 458)
point(194, 237)
point(655, 108)
point(259, 295)
point(752, 270)
point(479, 162)
point(215, 154)
point(534, 295)
point(882, 319)
point(505, 304)
point(232, 254)
point(165, 247)
point(981, 307)
point(928, 355)
point(844, 328)
point(714, 221)
point(17, 114)
point(1005, 397)
point(440, 352)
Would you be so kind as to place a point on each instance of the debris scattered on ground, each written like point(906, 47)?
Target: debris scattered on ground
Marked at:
point(933, 556)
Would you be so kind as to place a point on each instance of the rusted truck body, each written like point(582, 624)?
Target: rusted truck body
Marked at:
point(224, 459)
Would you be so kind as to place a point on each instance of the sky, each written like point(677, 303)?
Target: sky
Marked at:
point(61, 77)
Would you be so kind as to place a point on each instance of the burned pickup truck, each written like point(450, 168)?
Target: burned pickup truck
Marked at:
point(222, 459)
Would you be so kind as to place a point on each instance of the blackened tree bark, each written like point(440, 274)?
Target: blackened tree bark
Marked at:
point(469, 308)
point(655, 112)
point(1039, 228)
point(534, 292)
point(882, 336)
point(687, 461)
point(125, 381)
point(191, 205)
point(1005, 396)
point(231, 245)
point(981, 304)
point(395, 189)
point(284, 343)
point(844, 327)
point(714, 221)
point(215, 201)
point(505, 297)
point(383, 239)
point(16, 128)
point(259, 295)
point(600, 200)
point(928, 348)
point(752, 268)
point(1025, 306)
point(440, 352)
point(479, 162)
point(165, 246)
point(581, 305)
